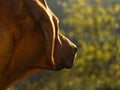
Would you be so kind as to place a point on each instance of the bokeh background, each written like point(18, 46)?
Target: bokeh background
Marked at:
point(94, 26)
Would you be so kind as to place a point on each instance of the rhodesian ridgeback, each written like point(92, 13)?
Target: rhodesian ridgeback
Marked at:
point(30, 41)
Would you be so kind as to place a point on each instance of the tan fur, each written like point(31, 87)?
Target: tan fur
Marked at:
point(30, 41)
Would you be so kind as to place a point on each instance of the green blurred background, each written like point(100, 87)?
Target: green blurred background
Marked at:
point(94, 26)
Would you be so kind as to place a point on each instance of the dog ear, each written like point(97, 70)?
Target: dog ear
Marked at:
point(42, 16)
point(44, 2)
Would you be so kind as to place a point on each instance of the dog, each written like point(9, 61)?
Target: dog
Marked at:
point(30, 41)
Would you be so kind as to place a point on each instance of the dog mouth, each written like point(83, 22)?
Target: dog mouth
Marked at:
point(65, 63)
point(60, 66)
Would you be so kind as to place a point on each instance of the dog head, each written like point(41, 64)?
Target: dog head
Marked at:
point(30, 40)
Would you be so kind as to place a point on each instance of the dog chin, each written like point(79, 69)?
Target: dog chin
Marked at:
point(63, 66)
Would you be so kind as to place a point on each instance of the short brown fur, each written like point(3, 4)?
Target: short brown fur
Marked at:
point(30, 41)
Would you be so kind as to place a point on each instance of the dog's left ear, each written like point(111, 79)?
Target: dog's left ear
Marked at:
point(42, 16)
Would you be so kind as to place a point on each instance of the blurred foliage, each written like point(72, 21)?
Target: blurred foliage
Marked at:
point(94, 25)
